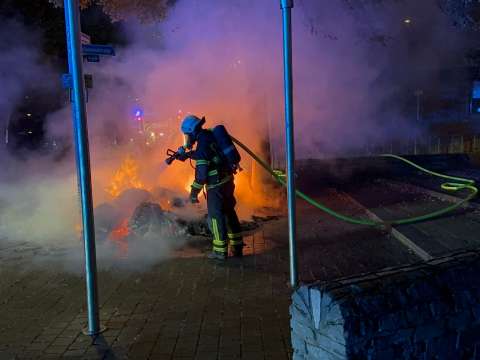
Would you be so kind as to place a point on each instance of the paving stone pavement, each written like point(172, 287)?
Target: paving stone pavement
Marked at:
point(184, 308)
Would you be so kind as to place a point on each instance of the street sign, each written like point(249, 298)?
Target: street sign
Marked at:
point(85, 39)
point(67, 81)
point(92, 58)
point(92, 49)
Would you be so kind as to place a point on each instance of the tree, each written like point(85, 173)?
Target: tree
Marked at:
point(39, 17)
point(145, 10)
point(464, 13)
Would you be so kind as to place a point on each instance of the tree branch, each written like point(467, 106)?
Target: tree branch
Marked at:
point(145, 10)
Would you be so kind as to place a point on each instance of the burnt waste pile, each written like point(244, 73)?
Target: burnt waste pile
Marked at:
point(138, 213)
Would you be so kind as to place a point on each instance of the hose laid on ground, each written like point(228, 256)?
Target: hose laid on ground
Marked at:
point(456, 184)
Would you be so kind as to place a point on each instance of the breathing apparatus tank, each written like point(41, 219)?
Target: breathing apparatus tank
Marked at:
point(227, 148)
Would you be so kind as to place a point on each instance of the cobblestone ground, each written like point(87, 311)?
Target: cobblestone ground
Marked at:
point(183, 308)
point(186, 307)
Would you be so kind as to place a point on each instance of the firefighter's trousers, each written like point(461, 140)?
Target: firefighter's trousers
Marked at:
point(223, 219)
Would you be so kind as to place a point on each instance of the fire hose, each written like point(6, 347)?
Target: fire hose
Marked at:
point(455, 184)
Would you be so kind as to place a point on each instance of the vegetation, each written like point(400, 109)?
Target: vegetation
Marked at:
point(145, 10)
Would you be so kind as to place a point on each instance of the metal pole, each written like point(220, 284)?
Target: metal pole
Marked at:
point(418, 122)
point(79, 111)
point(287, 6)
point(418, 107)
point(417, 93)
point(7, 129)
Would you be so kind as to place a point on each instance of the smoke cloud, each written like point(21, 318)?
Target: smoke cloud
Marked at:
point(223, 60)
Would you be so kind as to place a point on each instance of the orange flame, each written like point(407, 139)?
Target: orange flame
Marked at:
point(126, 177)
point(119, 237)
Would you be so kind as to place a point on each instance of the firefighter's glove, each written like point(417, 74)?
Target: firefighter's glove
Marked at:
point(182, 155)
point(194, 195)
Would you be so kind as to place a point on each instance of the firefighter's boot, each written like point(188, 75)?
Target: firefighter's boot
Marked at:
point(216, 255)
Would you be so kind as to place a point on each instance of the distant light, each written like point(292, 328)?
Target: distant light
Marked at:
point(29, 132)
point(152, 134)
point(138, 112)
point(478, 110)
point(476, 90)
point(29, 115)
point(407, 21)
point(161, 134)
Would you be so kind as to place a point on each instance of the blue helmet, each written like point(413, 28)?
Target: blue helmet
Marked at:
point(191, 124)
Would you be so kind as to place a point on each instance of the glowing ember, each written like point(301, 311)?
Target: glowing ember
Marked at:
point(126, 177)
point(119, 237)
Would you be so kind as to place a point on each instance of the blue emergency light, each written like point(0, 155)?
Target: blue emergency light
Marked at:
point(138, 113)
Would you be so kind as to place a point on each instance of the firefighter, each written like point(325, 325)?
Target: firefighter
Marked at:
point(214, 172)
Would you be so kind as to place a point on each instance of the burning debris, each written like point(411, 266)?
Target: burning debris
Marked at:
point(140, 210)
point(107, 218)
point(150, 219)
point(147, 221)
point(137, 214)
point(125, 177)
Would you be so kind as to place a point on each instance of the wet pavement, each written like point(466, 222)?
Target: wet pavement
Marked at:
point(183, 308)
point(439, 236)
point(187, 307)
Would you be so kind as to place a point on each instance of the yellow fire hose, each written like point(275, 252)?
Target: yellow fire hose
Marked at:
point(455, 184)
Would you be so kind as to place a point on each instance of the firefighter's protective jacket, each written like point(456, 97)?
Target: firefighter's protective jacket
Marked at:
point(209, 169)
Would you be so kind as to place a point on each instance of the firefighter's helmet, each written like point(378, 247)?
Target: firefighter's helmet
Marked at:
point(190, 127)
point(191, 124)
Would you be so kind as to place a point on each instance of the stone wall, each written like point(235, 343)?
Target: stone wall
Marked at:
point(424, 311)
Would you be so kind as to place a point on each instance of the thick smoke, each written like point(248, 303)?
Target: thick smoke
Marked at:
point(355, 67)
point(38, 201)
point(223, 60)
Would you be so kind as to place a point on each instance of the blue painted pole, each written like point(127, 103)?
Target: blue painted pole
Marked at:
point(287, 6)
point(79, 111)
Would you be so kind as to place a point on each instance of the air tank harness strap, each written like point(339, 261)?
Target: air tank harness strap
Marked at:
point(221, 182)
point(456, 184)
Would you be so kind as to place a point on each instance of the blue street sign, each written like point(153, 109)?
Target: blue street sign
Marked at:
point(67, 81)
point(92, 58)
point(92, 49)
